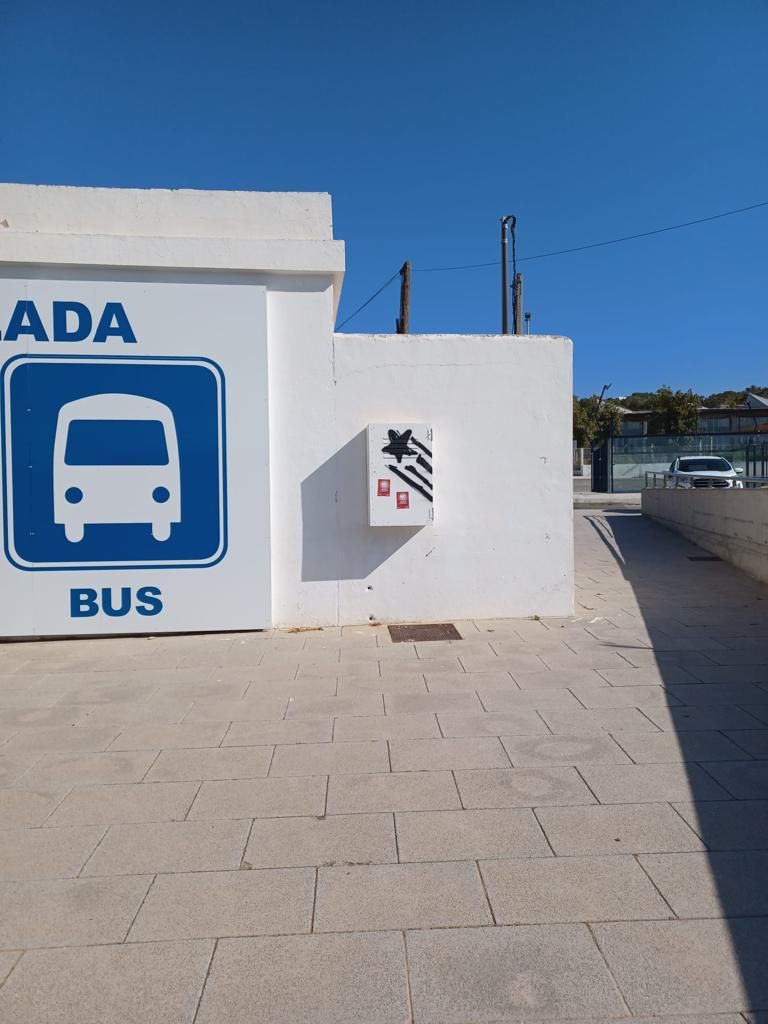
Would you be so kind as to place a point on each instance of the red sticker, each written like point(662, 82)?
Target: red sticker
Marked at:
point(402, 499)
point(383, 490)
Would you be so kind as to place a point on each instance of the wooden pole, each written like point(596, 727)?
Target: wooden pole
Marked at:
point(402, 322)
point(517, 303)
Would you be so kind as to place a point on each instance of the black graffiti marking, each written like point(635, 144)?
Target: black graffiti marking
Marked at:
point(398, 445)
point(421, 461)
point(411, 483)
point(417, 474)
point(423, 447)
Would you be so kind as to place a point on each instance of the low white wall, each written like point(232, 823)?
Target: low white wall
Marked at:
point(501, 543)
point(730, 523)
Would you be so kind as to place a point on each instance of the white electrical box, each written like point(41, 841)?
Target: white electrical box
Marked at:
point(400, 474)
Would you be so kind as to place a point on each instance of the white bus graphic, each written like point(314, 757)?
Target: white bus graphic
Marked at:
point(116, 461)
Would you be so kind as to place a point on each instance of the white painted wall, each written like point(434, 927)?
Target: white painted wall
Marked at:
point(501, 544)
point(730, 523)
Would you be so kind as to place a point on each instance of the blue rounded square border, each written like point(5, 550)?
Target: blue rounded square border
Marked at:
point(7, 368)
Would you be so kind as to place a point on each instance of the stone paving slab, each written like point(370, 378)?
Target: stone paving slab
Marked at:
point(540, 751)
point(385, 896)
point(680, 720)
point(311, 841)
point(261, 709)
point(226, 903)
point(522, 787)
point(700, 885)
point(330, 759)
point(53, 770)
point(745, 781)
point(690, 746)
point(210, 764)
point(613, 720)
point(30, 739)
point(259, 798)
point(69, 912)
point(687, 966)
point(26, 808)
point(313, 730)
point(122, 984)
point(509, 974)
point(39, 853)
point(403, 791)
point(469, 835)
point(102, 805)
point(730, 825)
point(651, 783)
point(525, 722)
point(169, 846)
point(436, 754)
point(380, 727)
point(562, 889)
point(621, 828)
point(753, 741)
point(169, 737)
point(308, 979)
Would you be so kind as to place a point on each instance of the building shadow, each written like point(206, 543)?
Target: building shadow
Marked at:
point(337, 543)
point(707, 626)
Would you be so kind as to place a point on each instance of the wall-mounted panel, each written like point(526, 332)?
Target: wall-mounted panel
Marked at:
point(400, 472)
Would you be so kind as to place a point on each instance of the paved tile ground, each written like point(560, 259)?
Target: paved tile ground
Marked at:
point(559, 820)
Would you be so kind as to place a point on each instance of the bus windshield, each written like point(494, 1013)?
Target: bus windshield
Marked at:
point(116, 443)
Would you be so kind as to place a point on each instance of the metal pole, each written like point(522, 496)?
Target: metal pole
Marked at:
point(517, 302)
point(507, 223)
point(504, 283)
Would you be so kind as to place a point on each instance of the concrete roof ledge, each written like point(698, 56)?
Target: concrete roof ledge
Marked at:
point(182, 213)
point(182, 229)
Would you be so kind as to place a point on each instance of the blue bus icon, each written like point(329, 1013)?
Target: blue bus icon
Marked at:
point(113, 462)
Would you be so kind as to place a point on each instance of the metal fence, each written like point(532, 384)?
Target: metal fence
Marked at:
point(621, 463)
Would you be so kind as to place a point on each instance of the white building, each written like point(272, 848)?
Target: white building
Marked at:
point(274, 523)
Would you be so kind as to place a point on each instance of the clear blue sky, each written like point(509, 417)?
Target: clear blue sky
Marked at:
point(429, 120)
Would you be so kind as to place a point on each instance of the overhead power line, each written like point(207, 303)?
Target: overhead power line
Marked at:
point(558, 252)
point(368, 301)
point(597, 245)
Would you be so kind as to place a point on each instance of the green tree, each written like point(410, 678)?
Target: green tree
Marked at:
point(675, 412)
point(610, 418)
point(639, 401)
point(593, 418)
point(582, 432)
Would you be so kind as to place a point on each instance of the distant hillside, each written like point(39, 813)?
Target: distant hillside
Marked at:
point(642, 400)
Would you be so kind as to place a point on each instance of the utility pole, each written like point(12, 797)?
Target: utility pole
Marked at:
point(517, 303)
point(508, 224)
point(401, 324)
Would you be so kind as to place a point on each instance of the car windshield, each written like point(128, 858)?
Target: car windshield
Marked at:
point(116, 443)
point(704, 466)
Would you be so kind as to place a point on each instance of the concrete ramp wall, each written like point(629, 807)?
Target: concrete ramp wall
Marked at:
point(730, 523)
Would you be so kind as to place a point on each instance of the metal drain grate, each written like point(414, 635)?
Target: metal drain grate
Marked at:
point(704, 558)
point(424, 631)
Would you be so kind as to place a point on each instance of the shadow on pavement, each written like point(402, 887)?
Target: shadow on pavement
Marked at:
point(706, 624)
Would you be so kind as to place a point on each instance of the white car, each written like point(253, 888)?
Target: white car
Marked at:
point(703, 471)
point(116, 461)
